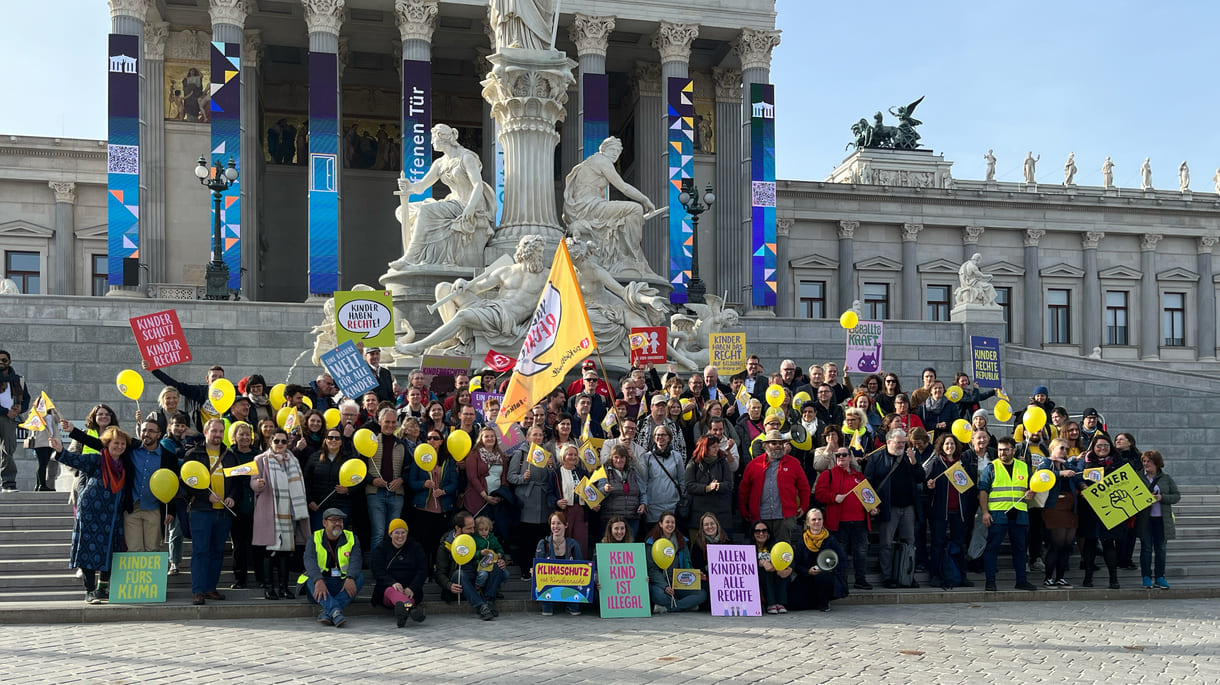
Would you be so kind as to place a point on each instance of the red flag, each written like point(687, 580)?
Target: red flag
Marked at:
point(499, 362)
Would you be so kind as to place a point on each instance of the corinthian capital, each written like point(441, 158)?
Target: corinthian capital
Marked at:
point(65, 191)
point(231, 12)
point(847, 229)
point(324, 16)
point(754, 47)
point(129, 8)
point(590, 34)
point(1206, 243)
point(910, 232)
point(1033, 236)
point(673, 41)
point(416, 19)
point(972, 234)
point(783, 226)
point(1091, 239)
point(728, 84)
point(1150, 240)
point(647, 79)
point(155, 36)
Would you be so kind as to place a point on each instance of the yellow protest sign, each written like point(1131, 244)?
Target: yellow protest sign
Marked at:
point(1118, 496)
point(687, 579)
point(728, 352)
point(959, 478)
point(867, 495)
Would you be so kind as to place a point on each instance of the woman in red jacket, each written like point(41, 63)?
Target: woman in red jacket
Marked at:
point(846, 517)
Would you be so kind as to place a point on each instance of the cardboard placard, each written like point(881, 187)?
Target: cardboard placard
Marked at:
point(985, 353)
point(623, 575)
point(364, 315)
point(561, 580)
point(161, 339)
point(138, 577)
point(1119, 496)
point(351, 373)
point(727, 352)
point(732, 579)
point(648, 345)
point(864, 347)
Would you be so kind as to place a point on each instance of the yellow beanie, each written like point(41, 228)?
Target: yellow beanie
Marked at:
point(397, 524)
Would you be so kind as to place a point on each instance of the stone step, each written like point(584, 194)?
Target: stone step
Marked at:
point(35, 509)
point(38, 522)
point(60, 535)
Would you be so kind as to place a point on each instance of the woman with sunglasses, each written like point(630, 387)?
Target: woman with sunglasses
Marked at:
point(891, 388)
point(433, 493)
point(844, 515)
point(322, 479)
point(773, 583)
point(1092, 530)
point(280, 513)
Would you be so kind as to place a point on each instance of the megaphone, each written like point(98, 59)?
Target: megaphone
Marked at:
point(797, 434)
point(828, 559)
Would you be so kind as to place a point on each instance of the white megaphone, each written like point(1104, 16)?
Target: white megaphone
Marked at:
point(828, 559)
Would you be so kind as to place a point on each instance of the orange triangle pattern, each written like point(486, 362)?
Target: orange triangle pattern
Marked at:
point(118, 194)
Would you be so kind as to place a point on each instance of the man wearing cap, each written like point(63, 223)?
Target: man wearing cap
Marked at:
point(332, 568)
point(775, 490)
point(1090, 426)
point(400, 569)
point(1040, 398)
point(658, 415)
point(385, 380)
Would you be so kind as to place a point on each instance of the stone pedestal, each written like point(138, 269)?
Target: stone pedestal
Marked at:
point(527, 90)
point(900, 168)
point(977, 314)
point(977, 319)
point(413, 289)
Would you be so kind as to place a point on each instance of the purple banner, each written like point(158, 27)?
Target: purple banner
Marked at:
point(864, 348)
point(595, 89)
point(323, 156)
point(416, 122)
point(226, 145)
point(123, 156)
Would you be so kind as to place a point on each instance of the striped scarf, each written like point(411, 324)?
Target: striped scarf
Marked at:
point(288, 488)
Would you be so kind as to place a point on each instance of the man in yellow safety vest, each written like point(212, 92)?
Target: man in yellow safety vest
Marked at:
point(1003, 498)
point(332, 568)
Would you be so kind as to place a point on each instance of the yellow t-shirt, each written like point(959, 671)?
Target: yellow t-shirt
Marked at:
point(218, 477)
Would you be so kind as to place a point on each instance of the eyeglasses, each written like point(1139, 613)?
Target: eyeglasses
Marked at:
point(761, 530)
point(890, 381)
point(334, 437)
point(433, 437)
point(840, 455)
point(279, 442)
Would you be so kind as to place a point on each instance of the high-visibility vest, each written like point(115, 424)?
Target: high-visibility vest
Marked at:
point(344, 552)
point(1008, 492)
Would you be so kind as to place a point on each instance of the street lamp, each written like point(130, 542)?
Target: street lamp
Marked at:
point(696, 290)
point(218, 180)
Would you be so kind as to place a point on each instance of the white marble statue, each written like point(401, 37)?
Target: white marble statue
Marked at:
point(990, 159)
point(502, 319)
point(1183, 178)
point(1107, 173)
point(688, 335)
point(452, 230)
point(9, 287)
point(975, 285)
point(615, 227)
point(1216, 181)
point(1146, 174)
point(614, 309)
point(527, 24)
point(1031, 166)
point(1069, 170)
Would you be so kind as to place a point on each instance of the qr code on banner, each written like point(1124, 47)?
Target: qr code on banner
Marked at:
point(122, 159)
point(764, 194)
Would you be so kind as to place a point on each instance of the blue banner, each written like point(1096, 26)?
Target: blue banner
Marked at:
point(416, 122)
point(123, 156)
point(681, 143)
point(985, 353)
point(762, 195)
point(226, 145)
point(595, 89)
point(323, 155)
point(351, 373)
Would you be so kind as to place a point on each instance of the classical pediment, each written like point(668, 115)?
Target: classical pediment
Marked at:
point(814, 261)
point(939, 266)
point(1122, 272)
point(1178, 274)
point(880, 264)
point(1062, 270)
point(99, 232)
point(1003, 268)
point(25, 229)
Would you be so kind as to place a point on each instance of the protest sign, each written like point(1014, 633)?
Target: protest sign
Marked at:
point(864, 348)
point(351, 373)
point(687, 579)
point(138, 577)
point(161, 339)
point(366, 316)
point(727, 352)
point(623, 573)
point(985, 352)
point(439, 371)
point(478, 397)
point(732, 578)
point(561, 580)
point(648, 345)
point(1118, 496)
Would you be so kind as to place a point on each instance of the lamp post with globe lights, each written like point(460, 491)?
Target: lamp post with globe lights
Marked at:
point(696, 291)
point(217, 179)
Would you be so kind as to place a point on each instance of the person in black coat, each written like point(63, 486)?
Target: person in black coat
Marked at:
point(400, 568)
point(813, 588)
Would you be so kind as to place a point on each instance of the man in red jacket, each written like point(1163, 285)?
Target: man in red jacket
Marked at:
point(846, 517)
point(774, 489)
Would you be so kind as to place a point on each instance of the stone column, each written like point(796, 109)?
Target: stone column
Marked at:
point(1206, 300)
point(1091, 320)
point(152, 221)
point(910, 273)
point(591, 34)
point(252, 154)
point(847, 264)
point(970, 241)
point(754, 48)
point(1150, 310)
point(63, 271)
point(324, 19)
point(650, 136)
point(416, 23)
point(127, 18)
point(728, 208)
point(783, 293)
point(1032, 330)
point(570, 136)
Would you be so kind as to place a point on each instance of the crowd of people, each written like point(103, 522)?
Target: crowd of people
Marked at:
point(755, 459)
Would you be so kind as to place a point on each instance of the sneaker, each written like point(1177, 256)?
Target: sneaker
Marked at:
point(495, 612)
point(1049, 583)
point(322, 617)
point(773, 609)
point(573, 610)
point(658, 609)
point(237, 586)
point(1026, 585)
point(337, 618)
point(1161, 583)
point(103, 593)
point(780, 608)
point(526, 574)
point(418, 614)
point(990, 587)
point(1147, 582)
point(10, 487)
point(825, 609)
point(1062, 583)
point(91, 598)
point(173, 569)
point(401, 610)
point(1037, 565)
point(485, 612)
point(863, 585)
point(548, 611)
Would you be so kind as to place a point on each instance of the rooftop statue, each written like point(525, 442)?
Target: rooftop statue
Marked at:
point(878, 135)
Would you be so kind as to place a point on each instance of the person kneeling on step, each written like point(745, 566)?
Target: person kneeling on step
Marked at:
point(400, 569)
point(332, 568)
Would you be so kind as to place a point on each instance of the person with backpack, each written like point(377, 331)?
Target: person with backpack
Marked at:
point(895, 473)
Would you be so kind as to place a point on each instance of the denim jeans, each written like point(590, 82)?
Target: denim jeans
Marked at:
point(337, 599)
point(495, 578)
point(951, 529)
point(1016, 534)
point(209, 529)
point(175, 540)
point(384, 506)
point(774, 588)
point(1153, 540)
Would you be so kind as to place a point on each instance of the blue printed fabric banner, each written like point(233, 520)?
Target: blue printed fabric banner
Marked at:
point(416, 122)
point(351, 373)
point(596, 105)
point(123, 155)
point(985, 353)
point(323, 155)
point(681, 101)
point(762, 175)
point(226, 145)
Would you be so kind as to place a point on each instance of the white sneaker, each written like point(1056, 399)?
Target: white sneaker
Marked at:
point(772, 609)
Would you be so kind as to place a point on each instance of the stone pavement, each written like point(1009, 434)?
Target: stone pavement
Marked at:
point(1168, 641)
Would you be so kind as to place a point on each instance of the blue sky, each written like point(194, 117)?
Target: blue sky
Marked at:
point(1121, 78)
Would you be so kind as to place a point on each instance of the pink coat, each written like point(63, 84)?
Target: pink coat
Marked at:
point(476, 480)
point(264, 510)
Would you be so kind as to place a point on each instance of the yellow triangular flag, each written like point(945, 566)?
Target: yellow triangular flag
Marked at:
point(43, 404)
point(599, 474)
point(585, 430)
point(36, 421)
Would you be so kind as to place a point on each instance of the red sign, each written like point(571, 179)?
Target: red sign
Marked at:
point(648, 345)
point(499, 362)
point(161, 340)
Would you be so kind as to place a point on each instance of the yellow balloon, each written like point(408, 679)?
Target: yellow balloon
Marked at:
point(781, 556)
point(775, 411)
point(352, 472)
point(365, 443)
point(688, 409)
point(222, 393)
point(332, 417)
point(458, 443)
point(1034, 419)
point(1002, 411)
point(306, 401)
point(849, 319)
point(801, 399)
point(130, 384)
point(196, 475)
point(954, 393)
point(961, 430)
point(663, 553)
point(276, 396)
point(462, 549)
point(775, 395)
point(281, 416)
point(476, 383)
point(425, 456)
point(164, 484)
point(1042, 480)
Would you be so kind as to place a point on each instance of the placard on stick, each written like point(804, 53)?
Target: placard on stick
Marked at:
point(161, 339)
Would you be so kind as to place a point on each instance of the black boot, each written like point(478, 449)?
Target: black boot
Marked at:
point(281, 572)
point(269, 577)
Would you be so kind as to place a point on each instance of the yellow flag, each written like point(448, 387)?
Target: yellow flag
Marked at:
point(249, 468)
point(585, 431)
point(588, 492)
point(43, 405)
point(590, 456)
point(868, 496)
point(610, 420)
point(559, 337)
point(959, 478)
point(35, 421)
point(599, 474)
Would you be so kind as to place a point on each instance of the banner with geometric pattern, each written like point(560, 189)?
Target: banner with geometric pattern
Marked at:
point(762, 194)
point(323, 154)
point(595, 89)
point(123, 155)
point(226, 145)
point(681, 143)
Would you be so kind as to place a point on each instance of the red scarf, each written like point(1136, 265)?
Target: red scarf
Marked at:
point(112, 472)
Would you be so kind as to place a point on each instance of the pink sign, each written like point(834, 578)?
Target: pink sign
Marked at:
point(161, 339)
point(732, 578)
